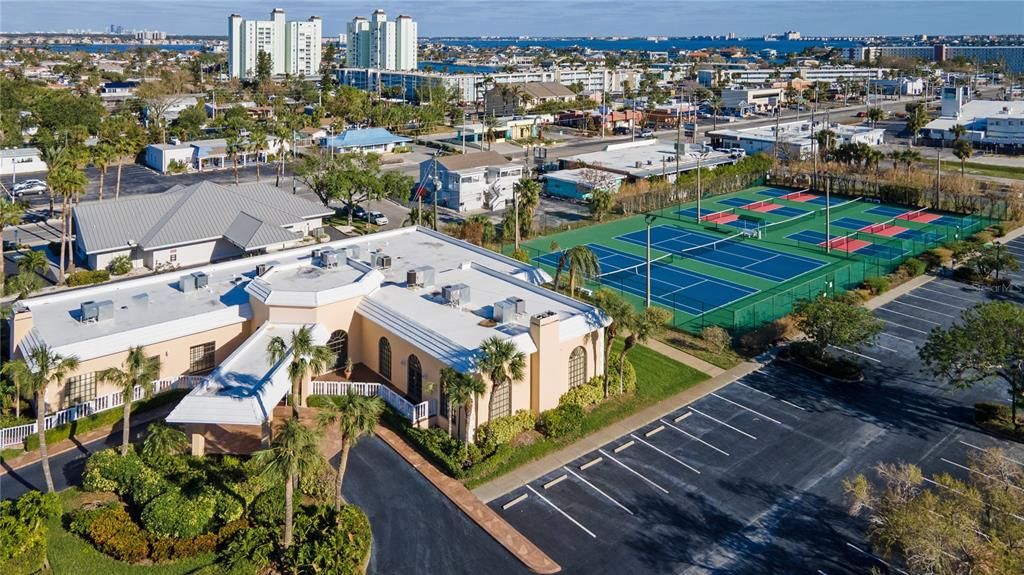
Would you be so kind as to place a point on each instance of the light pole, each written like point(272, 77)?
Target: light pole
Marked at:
point(700, 156)
point(999, 262)
point(649, 219)
point(437, 188)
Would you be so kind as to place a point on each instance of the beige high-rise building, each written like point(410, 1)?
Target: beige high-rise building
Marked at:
point(293, 47)
point(381, 44)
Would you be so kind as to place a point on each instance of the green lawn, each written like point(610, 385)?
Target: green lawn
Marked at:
point(694, 346)
point(980, 169)
point(657, 377)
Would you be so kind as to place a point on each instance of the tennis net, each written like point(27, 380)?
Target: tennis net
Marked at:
point(697, 251)
point(795, 194)
point(757, 204)
point(909, 216)
point(639, 269)
point(716, 216)
point(880, 227)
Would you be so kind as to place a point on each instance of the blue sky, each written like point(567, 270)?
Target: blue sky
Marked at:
point(543, 17)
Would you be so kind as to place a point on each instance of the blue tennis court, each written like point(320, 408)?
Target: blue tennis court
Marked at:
point(738, 222)
point(784, 211)
point(923, 217)
point(851, 223)
point(774, 192)
point(673, 287)
point(734, 255)
point(736, 202)
point(871, 249)
point(918, 236)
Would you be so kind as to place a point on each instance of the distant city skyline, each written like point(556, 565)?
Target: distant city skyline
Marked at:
point(542, 18)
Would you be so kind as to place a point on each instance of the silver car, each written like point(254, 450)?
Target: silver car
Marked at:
point(376, 218)
point(29, 188)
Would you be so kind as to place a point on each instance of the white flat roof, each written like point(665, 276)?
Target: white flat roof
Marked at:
point(649, 153)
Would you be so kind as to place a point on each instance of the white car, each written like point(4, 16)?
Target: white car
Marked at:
point(29, 188)
point(376, 218)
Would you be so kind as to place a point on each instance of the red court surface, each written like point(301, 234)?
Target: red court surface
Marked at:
point(888, 232)
point(721, 218)
point(798, 197)
point(921, 217)
point(759, 207)
point(847, 244)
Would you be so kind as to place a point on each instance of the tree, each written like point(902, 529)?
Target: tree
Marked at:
point(35, 374)
point(527, 194)
point(161, 95)
point(581, 263)
point(917, 118)
point(307, 360)
point(137, 370)
point(642, 327)
point(621, 313)
point(127, 138)
point(600, 203)
point(501, 361)
point(264, 70)
point(461, 390)
point(256, 144)
point(163, 442)
point(67, 182)
point(993, 258)
point(355, 416)
point(490, 124)
point(835, 321)
point(963, 151)
point(33, 262)
point(294, 453)
point(395, 185)
point(419, 216)
point(102, 154)
point(958, 131)
point(11, 214)
point(875, 114)
point(986, 346)
point(957, 527)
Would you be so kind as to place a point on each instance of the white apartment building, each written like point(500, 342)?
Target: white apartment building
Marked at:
point(1012, 56)
point(380, 44)
point(293, 47)
point(470, 182)
point(764, 76)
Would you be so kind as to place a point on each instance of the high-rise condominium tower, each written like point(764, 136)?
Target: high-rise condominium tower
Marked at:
point(377, 43)
point(293, 47)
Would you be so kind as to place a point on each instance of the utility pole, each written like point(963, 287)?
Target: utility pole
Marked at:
point(814, 140)
point(437, 189)
point(679, 141)
point(938, 175)
point(463, 130)
point(515, 206)
point(649, 219)
point(828, 215)
point(700, 156)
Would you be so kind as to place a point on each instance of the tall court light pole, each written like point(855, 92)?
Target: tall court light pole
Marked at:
point(649, 219)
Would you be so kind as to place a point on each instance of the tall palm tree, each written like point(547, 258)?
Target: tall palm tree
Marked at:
point(11, 214)
point(34, 374)
point(34, 262)
point(642, 327)
point(67, 182)
point(581, 263)
point(461, 390)
point(874, 115)
point(257, 143)
point(163, 442)
point(137, 370)
point(102, 154)
point(355, 415)
point(308, 359)
point(53, 154)
point(130, 138)
point(963, 150)
point(958, 131)
point(621, 313)
point(501, 361)
point(294, 453)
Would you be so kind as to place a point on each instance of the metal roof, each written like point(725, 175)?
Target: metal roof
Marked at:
point(189, 214)
point(365, 137)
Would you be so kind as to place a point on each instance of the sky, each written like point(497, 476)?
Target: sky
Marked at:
point(541, 17)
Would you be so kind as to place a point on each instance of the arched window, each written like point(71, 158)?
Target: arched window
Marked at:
point(577, 367)
point(414, 374)
point(501, 401)
point(384, 358)
point(338, 344)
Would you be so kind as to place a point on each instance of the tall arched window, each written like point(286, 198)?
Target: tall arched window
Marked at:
point(338, 344)
point(501, 401)
point(414, 380)
point(384, 358)
point(577, 367)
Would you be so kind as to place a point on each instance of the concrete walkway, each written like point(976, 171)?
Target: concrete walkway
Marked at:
point(684, 358)
point(534, 469)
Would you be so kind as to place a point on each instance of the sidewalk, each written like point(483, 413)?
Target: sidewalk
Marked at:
point(684, 358)
point(534, 469)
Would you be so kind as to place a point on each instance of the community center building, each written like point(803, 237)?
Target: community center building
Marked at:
point(401, 304)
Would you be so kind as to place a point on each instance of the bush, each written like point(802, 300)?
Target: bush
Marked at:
point(877, 285)
point(445, 451)
point(562, 421)
point(120, 265)
point(175, 548)
point(87, 277)
point(174, 515)
point(112, 531)
point(629, 383)
point(716, 339)
point(914, 267)
point(126, 475)
point(757, 341)
point(268, 507)
point(806, 354)
point(584, 395)
point(997, 417)
point(937, 257)
point(983, 237)
point(998, 230)
point(327, 541)
point(966, 273)
point(23, 532)
point(501, 430)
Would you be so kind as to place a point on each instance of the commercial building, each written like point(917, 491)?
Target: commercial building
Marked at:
point(991, 124)
point(380, 44)
point(644, 159)
point(766, 76)
point(201, 155)
point(507, 99)
point(1011, 56)
point(192, 225)
point(744, 101)
point(579, 183)
point(402, 305)
point(898, 87)
point(14, 161)
point(376, 140)
point(293, 47)
point(795, 140)
point(469, 182)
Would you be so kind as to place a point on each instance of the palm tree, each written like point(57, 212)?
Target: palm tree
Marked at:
point(419, 216)
point(163, 442)
point(963, 151)
point(490, 123)
point(129, 140)
point(68, 182)
point(34, 374)
point(501, 361)
point(308, 359)
point(101, 155)
point(34, 262)
point(642, 327)
point(875, 114)
point(461, 390)
point(293, 453)
point(11, 214)
point(137, 370)
point(53, 154)
point(355, 415)
point(621, 313)
point(257, 143)
point(235, 144)
point(582, 263)
point(958, 131)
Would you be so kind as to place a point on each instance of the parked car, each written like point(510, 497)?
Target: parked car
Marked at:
point(621, 131)
point(29, 188)
point(377, 218)
point(358, 212)
point(647, 133)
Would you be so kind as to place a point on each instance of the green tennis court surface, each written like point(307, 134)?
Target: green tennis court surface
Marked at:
point(754, 253)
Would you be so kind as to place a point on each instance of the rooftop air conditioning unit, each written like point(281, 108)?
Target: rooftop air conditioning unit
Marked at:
point(261, 269)
point(457, 294)
point(317, 252)
point(503, 311)
point(420, 277)
point(187, 283)
point(520, 304)
point(141, 300)
point(202, 279)
point(639, 164)
point(90, 311)
point(382, 261)
point(105, 310)
point(354, 252)
point(329, 259)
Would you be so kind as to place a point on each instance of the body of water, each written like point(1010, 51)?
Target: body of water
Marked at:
point(668, 45)
point(99, 48)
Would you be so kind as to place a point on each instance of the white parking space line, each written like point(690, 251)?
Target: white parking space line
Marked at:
point(740, 431)
point(964, 467)
point(923, 309)
point(564, 514)
point(741, 406)
point(885, 333)
point(932, 301)
point(910, 316)
point(947, 294)
point(633, 471)
point(904, 327)
point(668, 455)
point(875, 557)
point(851, 352)
point(770, 395)
point(1011, 460)
point(694, 437)
point(880, 346)
point(595, 488)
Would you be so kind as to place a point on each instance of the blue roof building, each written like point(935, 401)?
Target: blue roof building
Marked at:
point(376, 140)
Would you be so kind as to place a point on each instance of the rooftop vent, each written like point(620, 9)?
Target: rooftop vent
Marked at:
point(329, 259)
point(202, 279)
point(97, 311)
point(261, 269)
point(140, 300)
point(187, 283)
point(520, 304)
point(382, 261)
point(420, 277)
point(456, 294)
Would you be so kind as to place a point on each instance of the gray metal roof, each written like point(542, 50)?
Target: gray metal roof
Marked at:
point(188, 214)
point(250, 233)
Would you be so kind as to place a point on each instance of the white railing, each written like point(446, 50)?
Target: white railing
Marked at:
point(414, 413)
point(16, 435)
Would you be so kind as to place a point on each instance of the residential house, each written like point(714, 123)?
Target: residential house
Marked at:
point(376, 140)
point(509, 99)
point(14, 161)
point(469, 182)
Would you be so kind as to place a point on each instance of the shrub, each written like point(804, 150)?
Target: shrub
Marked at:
point(757, 341)
point(175, 548)
point(877, 285)
point(268, 507)
point(227, 507)
point(327, 541)
point(914, 267)
point(937, 257)
point(248, 551)
point(504, 429)
point(584, 395)
point(174, 515)
point(983, 237)
point(87, 277)
point(998, 230)
point(445, 451)
point(966, 273)
point(562, 421)
point(113, 532)
point(120, 265)
point(107, 470)
point(23, 531)
point(629, 373)
point(716, 339)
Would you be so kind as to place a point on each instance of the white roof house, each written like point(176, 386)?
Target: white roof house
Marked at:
point(644, 159)
point(17, 161)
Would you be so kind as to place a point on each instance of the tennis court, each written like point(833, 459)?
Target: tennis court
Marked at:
point(919, 216)
point(849, 244)
point(724, 218)
point(671, 286)
point(770, 207)
point(801, 196)
point(887, 229)
point(734, 254)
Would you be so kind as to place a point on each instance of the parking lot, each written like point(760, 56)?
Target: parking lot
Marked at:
point(749, 479)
